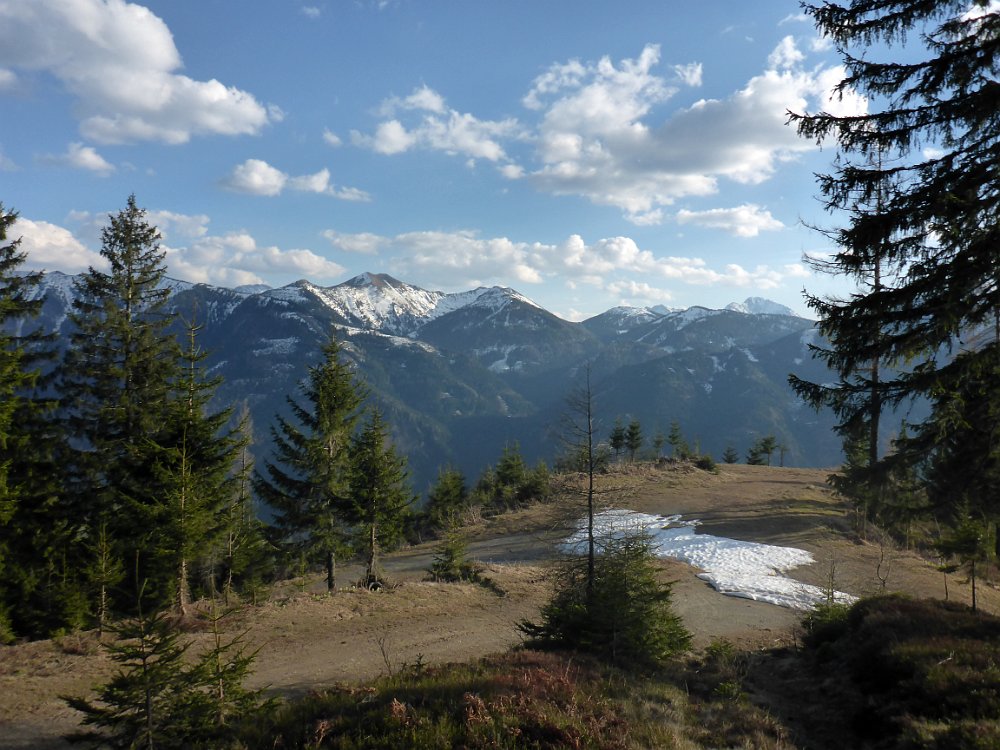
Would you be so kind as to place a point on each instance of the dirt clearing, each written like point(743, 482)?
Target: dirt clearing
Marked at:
point(308, 639)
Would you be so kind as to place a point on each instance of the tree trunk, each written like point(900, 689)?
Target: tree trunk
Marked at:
point(331, 570)
point(372, 557)
point(183, 590)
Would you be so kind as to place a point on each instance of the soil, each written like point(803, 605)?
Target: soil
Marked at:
point(308, 639)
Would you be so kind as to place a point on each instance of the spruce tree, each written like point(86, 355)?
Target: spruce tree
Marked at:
point(116, 381)
point(246, 554)
point(921, 226)
point(39, 582)
point(306, 483)
point(193, 465)
point(617, 438)
point(678, 445)
point(633, 439)
point(446, 499)
point(141, 706)
point(379, 494)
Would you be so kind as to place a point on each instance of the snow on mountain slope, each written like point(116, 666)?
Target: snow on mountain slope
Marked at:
point(760, 306)
point(381, 303)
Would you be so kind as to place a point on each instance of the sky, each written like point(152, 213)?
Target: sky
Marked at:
point(586, 154)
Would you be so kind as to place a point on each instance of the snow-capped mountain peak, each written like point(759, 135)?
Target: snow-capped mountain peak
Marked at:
point(760, 306)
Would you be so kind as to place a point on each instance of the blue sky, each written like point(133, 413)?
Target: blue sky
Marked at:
point(586, 154)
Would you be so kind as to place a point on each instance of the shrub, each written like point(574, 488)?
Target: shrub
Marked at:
point(706, 463)
point(826, 622)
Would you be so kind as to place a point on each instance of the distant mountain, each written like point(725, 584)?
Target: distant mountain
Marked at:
point(461, 374)
point(759, 306)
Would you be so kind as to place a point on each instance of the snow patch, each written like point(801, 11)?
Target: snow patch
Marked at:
point(749, 570)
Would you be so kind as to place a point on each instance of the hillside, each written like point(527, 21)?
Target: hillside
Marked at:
point(308, 640)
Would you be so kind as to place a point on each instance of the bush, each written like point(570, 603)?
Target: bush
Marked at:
point(826, 622)
point(706, 463)
point(626, 618)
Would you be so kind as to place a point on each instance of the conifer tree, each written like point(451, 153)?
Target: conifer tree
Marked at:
point(633, 439)
point(39, 584)
point(921, 225)
point(116, 381)
point(379, 494)
point(678, 445)
point(193, 459)
point(245, 551)
point(306, 485)
point(617, 439)
point(446, 499)
point(140, 706)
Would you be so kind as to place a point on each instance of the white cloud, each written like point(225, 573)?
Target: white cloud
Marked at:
point(747, 220)
point(257, 177)
point(689, 74)
point(173, 224)
point(390, 138)
point(363, 243)
point(786, 54)
point(50, 247)
point(463, 259)
point(310, 11)
point(119, 60)
point(794, 18)
point(79, 156)
point(602, 135)
point(634, 292)
point(230, 259)
point(235, 258)
point(8, 79)
point(423, 98)
point(437, 128)
point(331, 139)
point(597, 138)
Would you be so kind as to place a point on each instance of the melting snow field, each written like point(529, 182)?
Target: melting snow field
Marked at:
point(750, 570)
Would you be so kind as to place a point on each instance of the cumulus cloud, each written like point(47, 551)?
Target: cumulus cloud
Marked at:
point(362, 243)
point(191, 252)
point(50, 247)
point(633, 292)
point(172, 224)
point(310, 11)
point(331, 139)
point(8, 79)
point(597, 138)
point(747, 220)
point(235, 258)
point(257, 177)
point(436, 127)
point(615, 264)
point(79, 156)
point(602, 132)
point(786, 54)
point(120, 62)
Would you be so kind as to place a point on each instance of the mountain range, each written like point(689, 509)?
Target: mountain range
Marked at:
point(460, 375)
